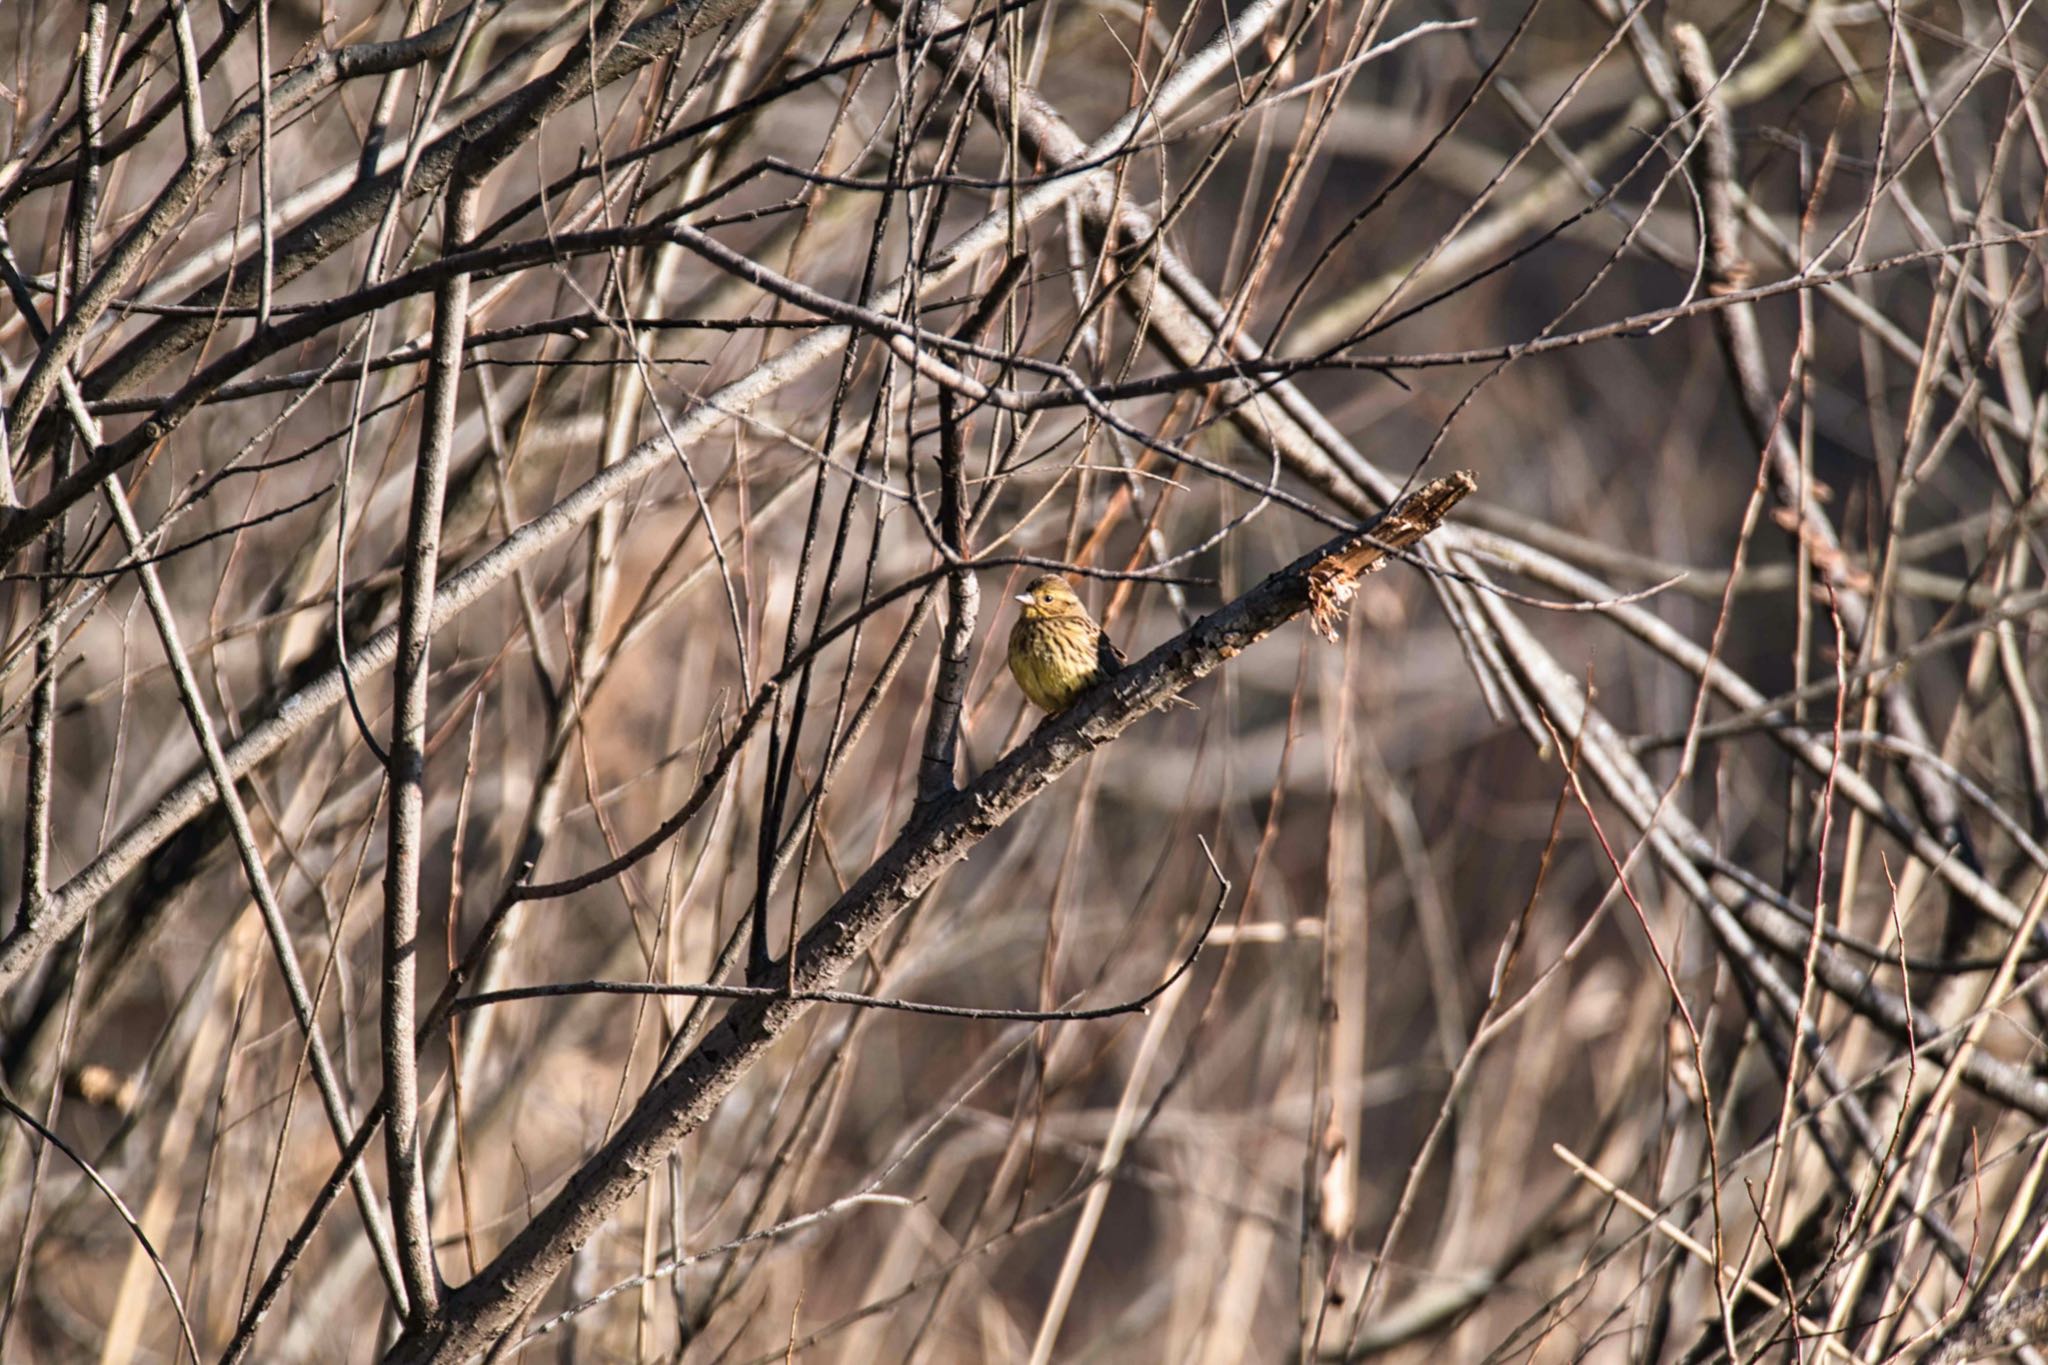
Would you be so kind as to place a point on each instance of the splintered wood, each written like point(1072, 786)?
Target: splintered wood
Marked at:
point(1333, 582)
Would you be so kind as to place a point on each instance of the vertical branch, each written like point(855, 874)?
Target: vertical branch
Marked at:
point(963, 589)
point(963, 604)
point(197, 140)
point(35, 853)
point(407, 767)
point(266, 281)
point(325, 1078)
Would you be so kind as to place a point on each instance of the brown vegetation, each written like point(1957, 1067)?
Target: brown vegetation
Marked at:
point(518, 835)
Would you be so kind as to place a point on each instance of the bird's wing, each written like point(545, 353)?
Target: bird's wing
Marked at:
point(1108, 657)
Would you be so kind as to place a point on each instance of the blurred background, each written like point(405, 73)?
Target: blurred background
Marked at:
point(1628, 927)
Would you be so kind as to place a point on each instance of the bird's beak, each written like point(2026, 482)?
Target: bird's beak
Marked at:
point(1023, 597)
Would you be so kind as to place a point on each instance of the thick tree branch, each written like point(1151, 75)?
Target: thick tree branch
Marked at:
point(407, 767)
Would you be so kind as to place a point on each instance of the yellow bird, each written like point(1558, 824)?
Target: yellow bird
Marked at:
point(1057, 652)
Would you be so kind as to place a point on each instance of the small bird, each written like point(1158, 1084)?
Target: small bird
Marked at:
point(1057, 652)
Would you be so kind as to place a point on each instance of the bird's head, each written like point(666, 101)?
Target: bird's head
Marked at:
point(1048, 596)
